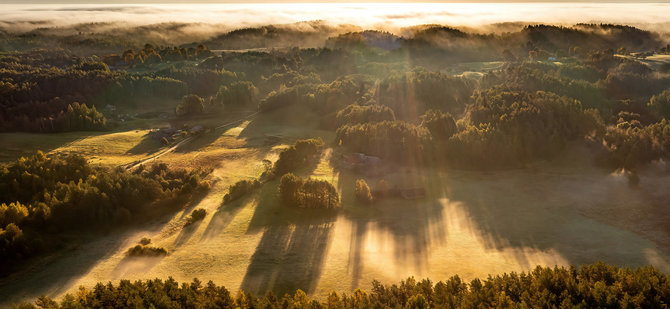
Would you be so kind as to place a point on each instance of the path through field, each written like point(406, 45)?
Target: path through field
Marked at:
point(471, 224)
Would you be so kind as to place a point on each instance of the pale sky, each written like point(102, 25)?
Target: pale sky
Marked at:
point(649, 15)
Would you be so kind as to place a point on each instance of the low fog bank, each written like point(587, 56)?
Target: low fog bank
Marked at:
point(389, 16)
point(181, 23)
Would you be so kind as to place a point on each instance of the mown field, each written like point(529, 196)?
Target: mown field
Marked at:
point(470, 223)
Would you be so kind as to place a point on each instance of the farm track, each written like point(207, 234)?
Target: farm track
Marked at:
point(135, 164)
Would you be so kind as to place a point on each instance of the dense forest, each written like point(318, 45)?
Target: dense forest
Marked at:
point(47, 200)
point(589, 286)
point(555, 85)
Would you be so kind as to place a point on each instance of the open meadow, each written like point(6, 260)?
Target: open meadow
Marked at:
point(470, 223)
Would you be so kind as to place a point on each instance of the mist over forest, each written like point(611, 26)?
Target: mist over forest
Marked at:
point(335, 155)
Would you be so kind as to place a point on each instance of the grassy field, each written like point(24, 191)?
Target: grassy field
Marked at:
point(471, 223)
point(99, 147)
point(657, 61)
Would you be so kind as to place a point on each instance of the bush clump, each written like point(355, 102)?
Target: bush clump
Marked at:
point(146, 251)
point(196, 215)
point(239, 189)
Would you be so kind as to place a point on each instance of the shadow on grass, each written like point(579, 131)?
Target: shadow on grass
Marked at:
point(293, 247)
point(223, 216)
point(414, 226)
point(133, 266)
point(57, 273)
point(186, 233)
point(519, 210)
point(200, 141)
point(147, 145)
point(193, 202)
point(16, 145)
point(289, 257)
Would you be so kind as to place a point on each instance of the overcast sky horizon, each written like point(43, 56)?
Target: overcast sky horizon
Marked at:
point(378, 15)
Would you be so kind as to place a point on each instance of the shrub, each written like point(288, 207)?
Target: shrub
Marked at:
point(362, 192)
point(146, 251)
point(196, 215)
point(240, 189)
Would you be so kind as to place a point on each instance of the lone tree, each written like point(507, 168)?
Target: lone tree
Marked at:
point(362, 192)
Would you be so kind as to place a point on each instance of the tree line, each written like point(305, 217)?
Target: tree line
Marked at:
point(596, 285)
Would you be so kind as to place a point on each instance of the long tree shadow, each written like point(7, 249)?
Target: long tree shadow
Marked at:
point(147, 145)
point(132, 266)
point(57, 273)
point(186, 233)
point(16, 145)
point(293, 247)
point(223, 216)
point(289, 257)
point(412, 226)
point(514, 211)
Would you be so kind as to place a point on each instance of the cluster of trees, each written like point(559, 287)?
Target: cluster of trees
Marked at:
point(440, 125)
point(392, 140)
point(324, 98)
point(35, 90)
point(38, 88)
point(576, 83)
point(303, 153)
point(518, 126)
point(660, 104)
point(191, 104)
point(75, 117)
point(409, 94)
point(632, 145)
point(589, 286)
point(237, 94)
point(201, 81)
point(356, 114)
point(150, 55)
point(302, 95)
point(240, 189)
point(43, 197)
point(308, 193)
